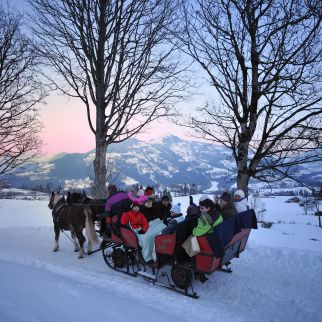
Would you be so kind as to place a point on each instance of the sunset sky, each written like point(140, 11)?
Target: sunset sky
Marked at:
point(65, 126)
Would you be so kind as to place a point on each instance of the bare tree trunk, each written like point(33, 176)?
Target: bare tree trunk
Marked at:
point(243, 174)
point(242, 180)
point(100, 169)
point(242, 158)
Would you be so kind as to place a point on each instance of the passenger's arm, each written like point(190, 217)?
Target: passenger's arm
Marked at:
point(201, 230)
point(145, 223)
point(124, 219)
point(203, 226)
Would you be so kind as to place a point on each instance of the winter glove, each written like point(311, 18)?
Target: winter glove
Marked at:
point(141, 231)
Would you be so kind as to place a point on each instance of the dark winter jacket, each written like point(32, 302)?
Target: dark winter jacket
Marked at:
point(228, 211)
point(163, 211)
point(192, 211)
point(149, 213)
point(183, 229)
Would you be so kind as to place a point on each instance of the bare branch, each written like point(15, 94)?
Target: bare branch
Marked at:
point(263, 58)
point(20, 91)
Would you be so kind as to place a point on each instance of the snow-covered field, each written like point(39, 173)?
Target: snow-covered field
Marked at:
point(277, 278)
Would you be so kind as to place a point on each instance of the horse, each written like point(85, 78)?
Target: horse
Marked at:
point(73, 219)
point(97, 206)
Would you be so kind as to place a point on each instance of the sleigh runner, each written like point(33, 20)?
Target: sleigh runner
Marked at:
point(171, 270)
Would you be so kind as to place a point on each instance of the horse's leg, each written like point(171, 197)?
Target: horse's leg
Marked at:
point(90, 229)
point(89, 247)
point(76, 246)
point(81, 241)
point(57, 231)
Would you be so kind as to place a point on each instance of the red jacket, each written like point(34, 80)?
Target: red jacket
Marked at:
point(136, 219)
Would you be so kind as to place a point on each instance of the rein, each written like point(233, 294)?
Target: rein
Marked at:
point(86, 204)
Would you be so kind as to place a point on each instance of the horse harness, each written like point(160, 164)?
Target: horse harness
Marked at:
point(58, 210)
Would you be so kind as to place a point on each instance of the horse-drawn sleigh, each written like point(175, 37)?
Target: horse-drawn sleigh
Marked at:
point(172, 268)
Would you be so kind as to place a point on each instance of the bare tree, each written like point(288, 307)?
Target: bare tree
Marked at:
point(19, 93)
point(263, 60)
point(115, 56)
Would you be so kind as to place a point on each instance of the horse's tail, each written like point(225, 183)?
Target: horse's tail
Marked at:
point(89, 226)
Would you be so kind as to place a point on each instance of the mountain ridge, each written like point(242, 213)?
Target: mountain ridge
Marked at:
point(167, 160)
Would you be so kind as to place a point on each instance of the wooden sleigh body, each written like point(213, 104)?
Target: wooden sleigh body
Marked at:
point(172, 270)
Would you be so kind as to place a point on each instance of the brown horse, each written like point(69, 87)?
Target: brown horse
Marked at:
point(73, 219)
point(97, 206)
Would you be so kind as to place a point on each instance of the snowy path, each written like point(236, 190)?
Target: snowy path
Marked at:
point(267, 284)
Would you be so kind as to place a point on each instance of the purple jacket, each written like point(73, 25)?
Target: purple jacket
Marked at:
point(117, 203)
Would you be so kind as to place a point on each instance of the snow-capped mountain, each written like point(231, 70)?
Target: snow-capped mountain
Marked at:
point(168, 160)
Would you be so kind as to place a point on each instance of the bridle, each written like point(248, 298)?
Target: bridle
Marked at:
point(57, 211)
point(78, 201)
point(58, 208)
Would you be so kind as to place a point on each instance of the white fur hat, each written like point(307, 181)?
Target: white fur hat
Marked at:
point(239, 193)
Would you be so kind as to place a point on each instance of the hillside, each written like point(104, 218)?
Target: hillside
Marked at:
point(167, 161)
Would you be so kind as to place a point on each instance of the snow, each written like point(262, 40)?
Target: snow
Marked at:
point(79, 184)
point(277, 278)
point(214, 187)
point(15, 190)
point(183, 151)
point(217, 171)
point(162, 139)
point(129, 181)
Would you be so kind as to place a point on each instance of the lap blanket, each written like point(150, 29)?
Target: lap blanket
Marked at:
point(146, 241)
point(224, 233)
point(248, 219)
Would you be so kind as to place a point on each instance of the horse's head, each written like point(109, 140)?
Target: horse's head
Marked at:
point(54, 198)
point(84, 198)
point(84, 195)
point(73, 197)
point(69, 199)
point(77, 197)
